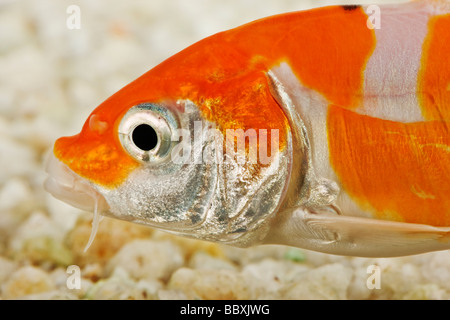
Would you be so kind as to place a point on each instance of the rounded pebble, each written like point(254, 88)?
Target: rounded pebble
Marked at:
point(27, 281)
point(148, 259)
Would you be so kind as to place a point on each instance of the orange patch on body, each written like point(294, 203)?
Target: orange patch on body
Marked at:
point(434, 77)
point(399, 171)
point(326, 48)
point(330, 53)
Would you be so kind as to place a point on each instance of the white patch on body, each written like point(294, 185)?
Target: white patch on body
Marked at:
point(391, 74)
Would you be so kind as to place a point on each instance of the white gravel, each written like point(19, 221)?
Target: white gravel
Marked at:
point(51, 77)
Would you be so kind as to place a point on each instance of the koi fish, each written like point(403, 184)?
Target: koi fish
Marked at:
point(322, 129)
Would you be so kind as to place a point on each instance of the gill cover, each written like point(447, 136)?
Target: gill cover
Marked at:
point(187, 185)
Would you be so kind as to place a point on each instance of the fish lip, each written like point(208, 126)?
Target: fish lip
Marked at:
point(67, 186)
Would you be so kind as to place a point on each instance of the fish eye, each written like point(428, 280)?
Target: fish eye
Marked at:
point(145, 132)
point(144, 137)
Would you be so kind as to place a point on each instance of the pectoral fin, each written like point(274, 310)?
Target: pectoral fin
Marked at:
point(320, 230)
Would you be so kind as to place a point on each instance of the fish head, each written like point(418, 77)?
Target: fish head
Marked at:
point(201, 152)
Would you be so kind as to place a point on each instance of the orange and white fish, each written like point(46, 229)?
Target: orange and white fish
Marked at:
point(354, 112)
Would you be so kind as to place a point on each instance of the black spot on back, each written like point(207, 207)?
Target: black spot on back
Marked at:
point(350, 7)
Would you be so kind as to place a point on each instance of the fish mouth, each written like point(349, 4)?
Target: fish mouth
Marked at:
point(67, 186)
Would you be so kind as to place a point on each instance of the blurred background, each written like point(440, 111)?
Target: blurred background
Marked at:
point(51, 78)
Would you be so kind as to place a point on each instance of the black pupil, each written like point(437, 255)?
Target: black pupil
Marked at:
point(145, 137)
